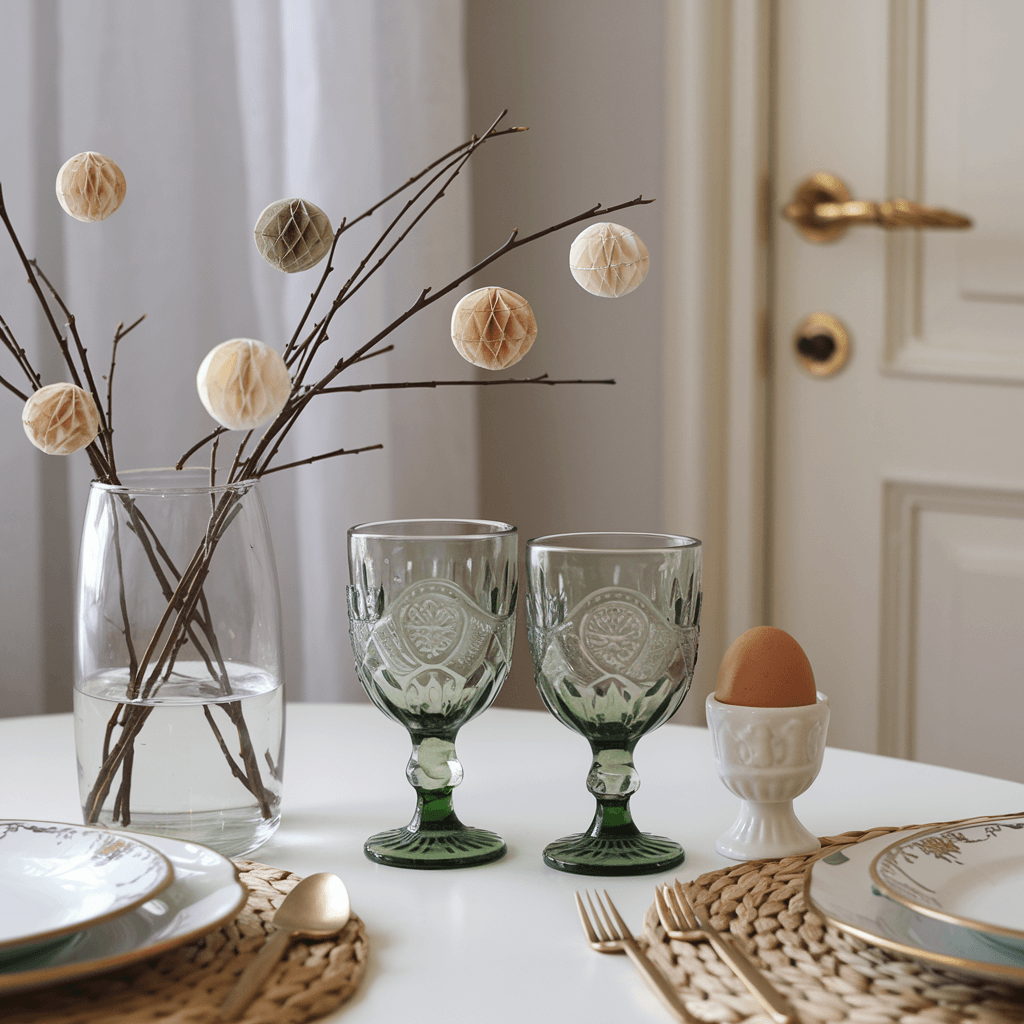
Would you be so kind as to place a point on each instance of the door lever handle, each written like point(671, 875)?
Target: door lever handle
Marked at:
point(822, 210)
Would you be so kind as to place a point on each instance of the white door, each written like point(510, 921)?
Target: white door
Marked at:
point(896, 540)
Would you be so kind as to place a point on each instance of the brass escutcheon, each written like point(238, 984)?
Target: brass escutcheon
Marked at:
point(821, 344)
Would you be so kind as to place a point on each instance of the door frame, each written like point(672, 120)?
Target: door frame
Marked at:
point(717, 313)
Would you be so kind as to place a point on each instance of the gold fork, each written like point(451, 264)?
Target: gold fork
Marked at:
point(612, 936)
point(685, 921)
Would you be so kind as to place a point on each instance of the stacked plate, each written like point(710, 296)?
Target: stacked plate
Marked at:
point(952, 896)
point(76, 900)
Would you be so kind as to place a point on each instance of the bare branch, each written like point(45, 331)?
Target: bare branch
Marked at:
point(326, 455)
point(10, 387)
point(180, 464)
point(394, 385)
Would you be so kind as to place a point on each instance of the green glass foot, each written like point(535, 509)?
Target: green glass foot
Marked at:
point(460, 847)
point(637, 854)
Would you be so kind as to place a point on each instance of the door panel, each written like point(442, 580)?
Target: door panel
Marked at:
point(956, 299)
point(900, 97)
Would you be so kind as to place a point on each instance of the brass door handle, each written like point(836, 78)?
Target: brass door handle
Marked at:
point(822, 210)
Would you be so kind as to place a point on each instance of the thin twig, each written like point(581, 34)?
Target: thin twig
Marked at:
point(10, 387)
point(326, 455)
point(82, 355)
point(180, 464)
point(119, 333)
point(394, 385)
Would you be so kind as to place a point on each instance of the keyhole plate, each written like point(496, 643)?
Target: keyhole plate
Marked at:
point(821, 344)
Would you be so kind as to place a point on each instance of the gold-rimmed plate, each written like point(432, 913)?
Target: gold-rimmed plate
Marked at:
point(58, 878)
point(206, 893)
point(970, 874)
point(839, 888)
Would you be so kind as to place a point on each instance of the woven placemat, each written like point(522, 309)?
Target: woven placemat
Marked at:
point(188, 984)
point(827, 975)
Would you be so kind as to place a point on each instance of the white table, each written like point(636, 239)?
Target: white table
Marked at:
point(503, 942)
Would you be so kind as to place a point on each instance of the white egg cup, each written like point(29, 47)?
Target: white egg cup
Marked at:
point(767, 757)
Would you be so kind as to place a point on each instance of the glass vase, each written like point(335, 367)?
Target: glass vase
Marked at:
point(179, 702)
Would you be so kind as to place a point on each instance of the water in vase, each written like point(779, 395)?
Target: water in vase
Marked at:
point(205, 765)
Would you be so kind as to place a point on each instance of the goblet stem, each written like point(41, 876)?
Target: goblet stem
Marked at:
point(434, 838)
point(612, 819)
point(613, 845)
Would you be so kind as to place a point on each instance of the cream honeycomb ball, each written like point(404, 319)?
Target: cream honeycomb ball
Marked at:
point(608, 260)
point(60, 419)
point(293, 235)
point(493, 327)
point(243, 383)
point(90, 186)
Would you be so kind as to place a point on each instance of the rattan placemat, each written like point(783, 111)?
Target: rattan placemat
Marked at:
point(827, 975)
point(187, 985)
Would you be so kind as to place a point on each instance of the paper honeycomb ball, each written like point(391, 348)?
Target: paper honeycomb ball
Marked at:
point(243, 383)
point(608, 260)
point(61, 419)
point(293, 235)
point(493, 327)
point(90, 186)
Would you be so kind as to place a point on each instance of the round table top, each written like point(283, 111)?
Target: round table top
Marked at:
point(503, 940)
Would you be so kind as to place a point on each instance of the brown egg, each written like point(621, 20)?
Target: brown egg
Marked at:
point(765, 668)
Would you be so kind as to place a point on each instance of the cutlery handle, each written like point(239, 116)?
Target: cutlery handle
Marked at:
point(773, 1001)
point(658, 983)
point(252, 978)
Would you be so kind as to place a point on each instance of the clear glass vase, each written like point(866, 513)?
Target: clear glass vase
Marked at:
point(179, 702)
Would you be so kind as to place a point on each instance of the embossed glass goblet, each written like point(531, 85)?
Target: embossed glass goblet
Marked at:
point(613, 622)
point(432, 614)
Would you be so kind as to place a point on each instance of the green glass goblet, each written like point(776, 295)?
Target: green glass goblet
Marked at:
point(613, 621)
point(432, 614)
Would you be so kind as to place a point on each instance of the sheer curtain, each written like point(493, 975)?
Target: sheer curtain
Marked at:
point(213, 110)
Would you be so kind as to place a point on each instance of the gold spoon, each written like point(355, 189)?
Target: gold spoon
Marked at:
point(317, 908)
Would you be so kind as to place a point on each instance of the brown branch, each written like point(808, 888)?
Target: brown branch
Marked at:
point(20, 355)
point(213, 464)
point(10, 387)
point(27, 264)
point(180, 464)
point(355, 282)
point(491, 134)
point(328, 269)
point(105, 433)
point(298, 401)
point(119, 333)
point(326, 455)
point(394, 385)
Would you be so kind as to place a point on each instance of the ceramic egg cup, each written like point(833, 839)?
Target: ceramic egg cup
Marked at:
point(767, 757)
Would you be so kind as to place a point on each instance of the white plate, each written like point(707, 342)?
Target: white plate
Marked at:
point(57, 878)
point(839, 888)
point(205, 894)
point(970, 874)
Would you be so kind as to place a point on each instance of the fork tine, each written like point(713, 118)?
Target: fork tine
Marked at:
point(588, 928)
point(665, 913)
point(681, 904)
point(624, 932)
point(687, 908)
point(599, 912)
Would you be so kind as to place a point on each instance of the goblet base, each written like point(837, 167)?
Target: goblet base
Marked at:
point(636, 854)
point(460, 847)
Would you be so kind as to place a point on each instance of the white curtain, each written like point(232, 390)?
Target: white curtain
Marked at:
point(213, 110)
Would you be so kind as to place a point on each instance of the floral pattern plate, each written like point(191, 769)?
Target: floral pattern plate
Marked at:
point(970, 874)
point(839, 888)
point(205, 894)
point(56, 879)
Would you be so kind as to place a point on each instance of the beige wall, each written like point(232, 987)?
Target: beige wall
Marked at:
point(587, 76)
